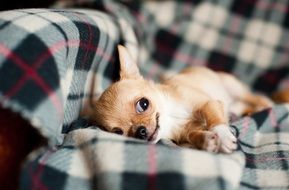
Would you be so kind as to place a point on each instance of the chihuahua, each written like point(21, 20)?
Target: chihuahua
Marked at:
point(190, 108)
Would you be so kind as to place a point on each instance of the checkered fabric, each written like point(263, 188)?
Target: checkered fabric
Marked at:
point(49, 58)
point(93, 159)
point(263, 139)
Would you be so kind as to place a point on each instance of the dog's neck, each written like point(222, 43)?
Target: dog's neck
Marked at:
point(173, 113)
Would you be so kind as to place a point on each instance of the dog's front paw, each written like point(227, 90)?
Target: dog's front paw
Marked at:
point(227, 139)
point(211, 142)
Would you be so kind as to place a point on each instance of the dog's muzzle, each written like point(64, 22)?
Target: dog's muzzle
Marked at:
point(141, 133)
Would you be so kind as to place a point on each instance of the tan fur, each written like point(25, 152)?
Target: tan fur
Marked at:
point(190, 108)
point(281, 96)
point(119, 100)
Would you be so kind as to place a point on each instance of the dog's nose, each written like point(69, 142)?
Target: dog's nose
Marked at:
point(141, 132)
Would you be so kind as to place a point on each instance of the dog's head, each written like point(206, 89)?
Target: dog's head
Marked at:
point(129, 106)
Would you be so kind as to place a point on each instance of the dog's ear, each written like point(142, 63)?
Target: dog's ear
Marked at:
point(128, 67)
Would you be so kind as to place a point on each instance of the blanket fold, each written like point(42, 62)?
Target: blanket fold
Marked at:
point(92, 159)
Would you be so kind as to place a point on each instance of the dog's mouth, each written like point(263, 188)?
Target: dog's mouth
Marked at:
point(154, 135)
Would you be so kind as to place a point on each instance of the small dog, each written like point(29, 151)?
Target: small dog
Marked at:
point(190, 108)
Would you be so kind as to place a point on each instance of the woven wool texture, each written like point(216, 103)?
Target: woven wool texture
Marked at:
point(48, 58)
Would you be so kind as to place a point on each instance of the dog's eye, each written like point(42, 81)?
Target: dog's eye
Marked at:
point(142, 105)
point(117, 130)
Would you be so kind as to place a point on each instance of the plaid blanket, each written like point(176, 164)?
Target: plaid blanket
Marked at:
point(49, 58)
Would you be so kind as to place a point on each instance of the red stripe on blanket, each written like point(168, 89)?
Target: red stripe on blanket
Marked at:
point(152, 167)
point(268, 6)
point(264, 5)
point(71, 43)
point(35, 176)
point(31, 73)
point(234, 29)
point(245, 127)
point(178, 55)
point(273, 119)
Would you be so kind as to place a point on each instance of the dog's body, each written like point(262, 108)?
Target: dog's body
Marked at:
point(191, 108)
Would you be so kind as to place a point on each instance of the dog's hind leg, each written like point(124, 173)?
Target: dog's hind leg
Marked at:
point(208, 129)
point(244, 101)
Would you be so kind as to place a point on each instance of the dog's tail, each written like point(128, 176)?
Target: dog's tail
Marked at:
point(281, 96)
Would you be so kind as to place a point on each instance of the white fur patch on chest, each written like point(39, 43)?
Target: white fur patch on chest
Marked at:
point(172, 117)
